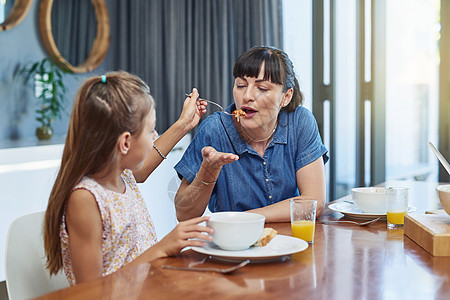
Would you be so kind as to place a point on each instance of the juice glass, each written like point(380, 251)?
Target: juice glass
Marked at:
point(396, 206)
point(303, 218)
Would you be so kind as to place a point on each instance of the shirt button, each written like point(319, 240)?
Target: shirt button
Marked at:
point(267, 180)
point(264, 163)
point(270, 197)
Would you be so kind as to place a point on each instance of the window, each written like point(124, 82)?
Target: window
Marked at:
point(375, 85)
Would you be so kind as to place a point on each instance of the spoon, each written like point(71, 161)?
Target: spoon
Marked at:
point(212, 102)
point(352, 222)
point(441, 158)
point(223, 271)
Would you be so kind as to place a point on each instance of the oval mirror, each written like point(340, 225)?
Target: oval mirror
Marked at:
point(89, 51)
point(12, 12)
point(73, 29)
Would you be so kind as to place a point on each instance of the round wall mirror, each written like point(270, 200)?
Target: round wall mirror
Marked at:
point(80, 46)
point(12, 12)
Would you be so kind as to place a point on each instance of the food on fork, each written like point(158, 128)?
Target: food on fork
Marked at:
point(267, 235)
point(238, 113)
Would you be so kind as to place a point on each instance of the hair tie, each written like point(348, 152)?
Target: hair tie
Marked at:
point(103, 78)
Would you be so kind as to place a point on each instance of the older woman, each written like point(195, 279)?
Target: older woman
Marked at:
point(258, 161)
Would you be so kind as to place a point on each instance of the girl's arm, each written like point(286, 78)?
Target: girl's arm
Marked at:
point(192, 198)
point(311, 185)
point(84, 226)
point(193, 110)
point(85, 229)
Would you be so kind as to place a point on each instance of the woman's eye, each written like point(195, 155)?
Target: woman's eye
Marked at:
point(263, 89)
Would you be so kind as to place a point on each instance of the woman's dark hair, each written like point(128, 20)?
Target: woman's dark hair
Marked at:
point(278, 68)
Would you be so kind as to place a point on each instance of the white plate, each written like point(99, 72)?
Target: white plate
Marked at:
point(278, 247)
point(351, 211)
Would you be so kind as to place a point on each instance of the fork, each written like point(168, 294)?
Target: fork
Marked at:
point(352, 222)
point(212, 102)
point(223, 271)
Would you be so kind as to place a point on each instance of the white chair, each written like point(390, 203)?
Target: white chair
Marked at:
point(26, 276)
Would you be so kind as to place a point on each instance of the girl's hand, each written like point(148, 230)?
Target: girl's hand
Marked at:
point(193, 110)
point(186, 234)
point(215, 159)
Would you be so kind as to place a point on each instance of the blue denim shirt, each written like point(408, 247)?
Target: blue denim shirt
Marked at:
point(254, 181)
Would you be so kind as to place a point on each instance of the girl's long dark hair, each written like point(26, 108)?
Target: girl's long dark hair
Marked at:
point(102, 112)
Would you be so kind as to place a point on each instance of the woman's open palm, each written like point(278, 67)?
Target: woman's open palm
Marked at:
point(216, 159)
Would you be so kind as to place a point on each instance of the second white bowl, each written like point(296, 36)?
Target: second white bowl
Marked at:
point(370, 199)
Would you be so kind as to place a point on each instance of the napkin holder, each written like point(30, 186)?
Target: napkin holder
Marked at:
point(430, 231)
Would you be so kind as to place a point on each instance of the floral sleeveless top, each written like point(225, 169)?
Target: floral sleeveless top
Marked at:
point(127, 227)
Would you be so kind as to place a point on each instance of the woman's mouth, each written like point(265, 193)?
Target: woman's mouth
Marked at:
point(249, 112)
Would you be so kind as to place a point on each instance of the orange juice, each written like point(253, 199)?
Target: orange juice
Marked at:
point(303, 230)
point(396, 217)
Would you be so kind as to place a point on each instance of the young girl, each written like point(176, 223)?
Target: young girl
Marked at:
point(96, 220)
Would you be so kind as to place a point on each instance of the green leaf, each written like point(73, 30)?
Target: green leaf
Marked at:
point(51, 101)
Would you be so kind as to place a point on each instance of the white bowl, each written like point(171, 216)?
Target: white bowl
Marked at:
point(236, 230)
point(444, 196)
point(370, 199)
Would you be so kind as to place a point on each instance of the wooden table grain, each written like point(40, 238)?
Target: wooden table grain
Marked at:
point(345, 262)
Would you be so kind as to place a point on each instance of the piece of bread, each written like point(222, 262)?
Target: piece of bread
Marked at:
point(267, 235)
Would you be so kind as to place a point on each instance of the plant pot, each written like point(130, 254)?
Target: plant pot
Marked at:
point(44, 132)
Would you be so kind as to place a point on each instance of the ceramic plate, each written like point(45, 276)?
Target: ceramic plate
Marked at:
point(351, 211)
point(279, 247)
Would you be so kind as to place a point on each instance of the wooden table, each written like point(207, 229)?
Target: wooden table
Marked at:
point(345, 262)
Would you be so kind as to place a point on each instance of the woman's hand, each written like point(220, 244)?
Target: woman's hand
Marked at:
point(192, 198)
point(186, 234)
point(215, 159)
point(193, 110)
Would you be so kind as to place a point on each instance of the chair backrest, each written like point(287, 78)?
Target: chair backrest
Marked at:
point(26, 276)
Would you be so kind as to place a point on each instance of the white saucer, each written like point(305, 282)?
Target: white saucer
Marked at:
point(351, 211)
point(279, 246)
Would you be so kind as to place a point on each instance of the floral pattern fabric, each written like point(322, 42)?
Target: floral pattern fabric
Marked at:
point(127, 227)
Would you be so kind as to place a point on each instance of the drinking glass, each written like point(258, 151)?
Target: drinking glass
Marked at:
point(303, 219)
point(396, 206)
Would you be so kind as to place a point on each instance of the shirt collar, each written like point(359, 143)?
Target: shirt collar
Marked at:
point(280, 136)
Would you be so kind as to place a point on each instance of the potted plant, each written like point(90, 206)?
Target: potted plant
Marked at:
point(49, 89)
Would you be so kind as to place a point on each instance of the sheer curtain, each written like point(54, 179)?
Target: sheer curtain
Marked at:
point(175, 45)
